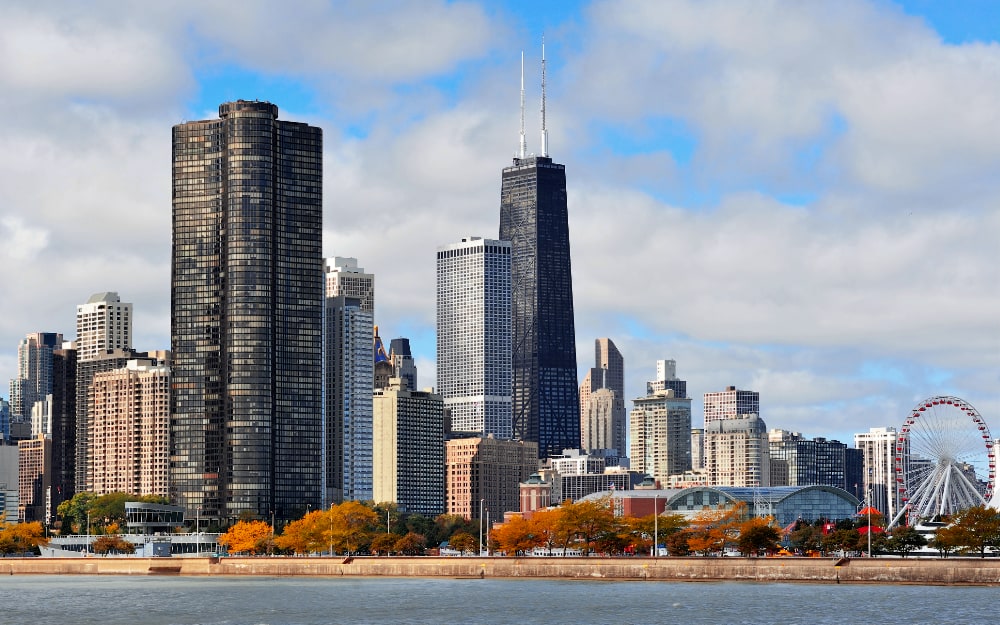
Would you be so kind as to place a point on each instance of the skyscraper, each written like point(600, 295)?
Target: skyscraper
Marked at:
point(246, 314)
point(473, 335)
point(660, 434)
point(666, 378)
point(349, 385)
point(103, 343)
point(402, 361)
point(534, 218)
point(731, 403)
point(34, 377)
point(344, 277)
point(602, 400)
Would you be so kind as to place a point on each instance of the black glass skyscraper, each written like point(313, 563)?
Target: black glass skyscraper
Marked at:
point(533, 217)
point(246, 315)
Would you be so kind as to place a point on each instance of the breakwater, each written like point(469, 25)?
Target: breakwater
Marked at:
point(971, 571)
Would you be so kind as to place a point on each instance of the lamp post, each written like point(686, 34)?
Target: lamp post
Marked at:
point(331, 530)
point(197, 530)
point(869, 522)
point(656, 526)
point(481, 526)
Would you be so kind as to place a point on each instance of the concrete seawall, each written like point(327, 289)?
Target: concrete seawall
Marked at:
point(970, 571)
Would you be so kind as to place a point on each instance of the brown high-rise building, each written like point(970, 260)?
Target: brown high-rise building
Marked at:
point(484, 474)
point(246, 315)
point(602, 400)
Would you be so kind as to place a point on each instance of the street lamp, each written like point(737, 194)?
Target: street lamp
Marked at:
point(656, 526)
point(331, 530)
point(481, 526)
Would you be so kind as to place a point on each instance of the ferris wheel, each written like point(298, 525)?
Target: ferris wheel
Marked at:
point(944, 460)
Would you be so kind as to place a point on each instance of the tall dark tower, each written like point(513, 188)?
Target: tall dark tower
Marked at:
point(534, 218)
point(246, 315)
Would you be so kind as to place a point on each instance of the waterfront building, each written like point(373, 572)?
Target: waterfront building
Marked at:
point(408, 466)
point(602, 400)
point(878, 448)
point(666, 378)
point(64, 375)
point(246, 315)
point(730, 404)
point(33, 381)
point(660, 434)
point(535, 493)
point(103, 343)
point(349, 385)
point(474, 335)
point(534, 218)
point(483, 475)
point(34, 468)
point(736, 452)
point(130, 429)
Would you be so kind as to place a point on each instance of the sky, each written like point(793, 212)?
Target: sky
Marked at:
point(796, 198)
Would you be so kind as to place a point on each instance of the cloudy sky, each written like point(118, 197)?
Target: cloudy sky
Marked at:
point(799, 198)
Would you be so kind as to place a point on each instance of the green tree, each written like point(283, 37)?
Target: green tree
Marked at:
point(73, 513)
point(905, 539)
point(463, 542)
point(807, 537)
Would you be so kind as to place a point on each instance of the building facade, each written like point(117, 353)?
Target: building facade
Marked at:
point(348, 406)
point(246, 315)
point(660, 434)
point(474, 335)
point(730, 404)
point(103, 343)
point(798, 461)
point(130, 429)
point(344, 277)
point(34, 378)
point(483, 475)
point(602, 400)
point(34, 469)
point(666, 378)
point(408, 453)
point(736, 452)
point(878, 447)
point(534, 218)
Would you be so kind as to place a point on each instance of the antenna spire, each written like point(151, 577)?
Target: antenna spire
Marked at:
point(524, 145)
point(545, 133)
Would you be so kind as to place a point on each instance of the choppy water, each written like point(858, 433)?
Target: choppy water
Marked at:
point(87, 600)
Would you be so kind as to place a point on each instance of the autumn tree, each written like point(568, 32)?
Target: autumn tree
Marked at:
point(664, 526)
point(352, 526)
point(246, 536)
point(758, 536)
point(807, 537)
point(305, 535)
point(515, 537)
point(976, 529)
point(463, 542)
point(112, 544)
point(412, 544)
point(586, 521)
point(543, 527)
point(383, 544)
point(21, 537)
point(711, 530)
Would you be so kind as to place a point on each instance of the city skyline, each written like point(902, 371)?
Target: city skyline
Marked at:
point(801, 205)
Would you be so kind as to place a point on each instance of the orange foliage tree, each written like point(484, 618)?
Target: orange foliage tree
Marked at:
point(514, 537)
point(306, 535)
point(247, 536)
point(21, 537)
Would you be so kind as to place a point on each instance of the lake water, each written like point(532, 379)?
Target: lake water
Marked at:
point(87, 600)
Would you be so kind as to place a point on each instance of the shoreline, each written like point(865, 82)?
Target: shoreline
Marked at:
point(937, 571)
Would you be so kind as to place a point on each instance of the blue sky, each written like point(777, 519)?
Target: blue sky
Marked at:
point(795, 198)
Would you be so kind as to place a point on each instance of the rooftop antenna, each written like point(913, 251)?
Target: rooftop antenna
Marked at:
point(524, 145)
point(545, 133)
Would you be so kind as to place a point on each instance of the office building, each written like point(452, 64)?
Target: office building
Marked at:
point(474, 335)
point(602, 400)
point(402, 361)
point(730, 404)
point(483, 475)
point(666, 378)
point(64, 375)
point(878, 446)
point(534, 218)
point(129, 429)
point(408, 451)
point(103, 343)
point(798, 461)
point(349, 384)
point(246, 315)
point(697, 449)
point(736, 452)
point(33, 472)
point(660, 434)
point(344, 277)
point(34, 379)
